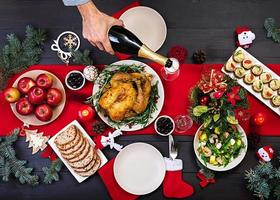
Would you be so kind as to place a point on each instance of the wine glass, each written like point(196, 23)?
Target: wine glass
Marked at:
point(171, 73)
point(183, 123)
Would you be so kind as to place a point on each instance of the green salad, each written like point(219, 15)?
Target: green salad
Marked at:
point(218, 148)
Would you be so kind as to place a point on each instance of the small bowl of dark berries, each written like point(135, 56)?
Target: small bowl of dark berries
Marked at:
point(164, 125)
point(75, 80)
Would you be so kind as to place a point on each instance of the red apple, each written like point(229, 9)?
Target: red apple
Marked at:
point(24, 107)
point(44, 81)
point(54, 96)
point(44, 112)
point(86, 113)
point(12, 94)
point(25, 84)
point(36, 95)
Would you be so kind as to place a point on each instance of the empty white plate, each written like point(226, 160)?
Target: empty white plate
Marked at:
point(139, 168)
point(147, 24)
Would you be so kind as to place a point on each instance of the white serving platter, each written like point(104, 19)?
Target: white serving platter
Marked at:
point(249, 87)
point(54, 147)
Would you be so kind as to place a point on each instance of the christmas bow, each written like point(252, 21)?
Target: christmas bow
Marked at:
point(103, 141)
point(213, 81)
point(204, 180)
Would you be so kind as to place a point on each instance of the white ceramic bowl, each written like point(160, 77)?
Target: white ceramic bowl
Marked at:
point(75, 71)
point(164, 116)
point(236, 161)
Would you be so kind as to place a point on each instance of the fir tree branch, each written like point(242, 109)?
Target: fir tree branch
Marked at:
point(51, 173)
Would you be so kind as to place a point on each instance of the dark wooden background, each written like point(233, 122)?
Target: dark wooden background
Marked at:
point(195, 24)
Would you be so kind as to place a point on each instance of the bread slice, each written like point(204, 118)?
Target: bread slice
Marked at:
point(74, 148)
point(78, 152)
point(92, 170)
point(89, 166)
point(84, 162)
point(72, 143)
point(66, 136)
point(81, 155)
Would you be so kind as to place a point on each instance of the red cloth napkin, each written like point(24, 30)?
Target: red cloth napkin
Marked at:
point(116, 192)
point(117, 15)
point(176, 102)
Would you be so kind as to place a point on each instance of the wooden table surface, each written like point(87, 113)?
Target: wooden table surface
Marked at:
point(195, 24)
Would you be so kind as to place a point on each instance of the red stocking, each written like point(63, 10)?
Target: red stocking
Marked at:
point(173, 185)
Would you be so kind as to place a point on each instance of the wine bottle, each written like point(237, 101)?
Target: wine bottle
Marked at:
point(124, 41)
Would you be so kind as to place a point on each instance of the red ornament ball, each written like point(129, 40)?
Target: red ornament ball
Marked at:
point(86, 113)
point(259, 119)
point(178, 52)
point(204, 100)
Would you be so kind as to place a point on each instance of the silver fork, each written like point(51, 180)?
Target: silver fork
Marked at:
point(173, 149)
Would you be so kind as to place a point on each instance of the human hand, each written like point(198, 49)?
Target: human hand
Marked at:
point(96, 26)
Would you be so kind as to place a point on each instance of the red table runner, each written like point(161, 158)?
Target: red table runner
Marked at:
point(176, 102)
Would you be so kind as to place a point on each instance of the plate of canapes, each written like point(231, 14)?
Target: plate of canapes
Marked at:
point(255, 77)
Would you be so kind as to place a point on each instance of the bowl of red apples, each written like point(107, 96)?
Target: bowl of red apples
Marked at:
point(37, 97)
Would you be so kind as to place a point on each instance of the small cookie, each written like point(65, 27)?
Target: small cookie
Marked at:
point(230, 66)
point(275, 101)
point(274, 84)
point(267, 93)
point(257, 85)
point(257, 70)
point(265, 77)
point(239, 72)
point(247, 64)
point(238, 56)
point(249, 78)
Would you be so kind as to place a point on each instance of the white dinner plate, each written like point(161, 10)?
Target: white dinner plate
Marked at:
point(147, 24)
point(159, 103)
point(32, 119)
point(236, 161)
point(139, 168)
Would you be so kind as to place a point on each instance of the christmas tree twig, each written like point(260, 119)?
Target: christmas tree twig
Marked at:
point(83, 58)
point(273, 31)
point(51, 173)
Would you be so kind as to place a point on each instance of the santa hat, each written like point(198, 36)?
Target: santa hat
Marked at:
point(241, 29)
point(269, 150)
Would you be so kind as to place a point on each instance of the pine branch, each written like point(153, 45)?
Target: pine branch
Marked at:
point(273, 32)
point(17, 55)
point(82, 57)
point(51, 173)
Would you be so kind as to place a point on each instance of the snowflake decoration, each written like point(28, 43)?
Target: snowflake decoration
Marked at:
point(70, 41)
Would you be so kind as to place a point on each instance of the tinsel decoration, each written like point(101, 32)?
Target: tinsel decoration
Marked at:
point(199, 57)
point(264, 180)
point(51, 172)
point(10, 164)
point(17, 55)
point(273, 31)
point(98, 127)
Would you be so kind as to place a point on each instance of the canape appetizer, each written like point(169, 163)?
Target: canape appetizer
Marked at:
point(257, 70)
point(239, 72)
point(247, 64)
point(275, 100)
point(230, 66)
point(274, 84)
point(267, 92)
point(266, 77)
point(238, 56)
point(257, 85)
point(249, 78)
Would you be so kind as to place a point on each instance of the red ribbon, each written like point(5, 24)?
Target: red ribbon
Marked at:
point(204, 180)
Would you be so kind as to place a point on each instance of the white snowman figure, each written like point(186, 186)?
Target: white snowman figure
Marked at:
point(265, 153)
point(245, 37)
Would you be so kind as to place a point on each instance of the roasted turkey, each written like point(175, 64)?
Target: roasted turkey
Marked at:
point(126, 95)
